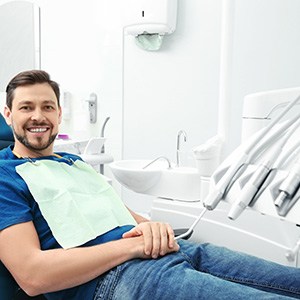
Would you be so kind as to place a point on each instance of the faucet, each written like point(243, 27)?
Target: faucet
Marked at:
point(181, 132)
point(161, 157)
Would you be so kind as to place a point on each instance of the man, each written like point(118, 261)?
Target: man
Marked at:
point(137, 259)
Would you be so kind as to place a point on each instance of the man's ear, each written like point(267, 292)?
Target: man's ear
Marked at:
point(7, 115)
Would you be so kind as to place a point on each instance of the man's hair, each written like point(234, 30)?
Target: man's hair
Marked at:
point(29, 78)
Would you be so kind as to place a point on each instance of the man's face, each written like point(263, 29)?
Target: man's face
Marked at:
point(34, 117)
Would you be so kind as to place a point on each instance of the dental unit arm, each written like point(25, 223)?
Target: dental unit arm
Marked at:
point(262, 141)
point(216, 195)
point(259, 176)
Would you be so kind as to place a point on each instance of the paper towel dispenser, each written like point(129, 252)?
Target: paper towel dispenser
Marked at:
point(151, 17)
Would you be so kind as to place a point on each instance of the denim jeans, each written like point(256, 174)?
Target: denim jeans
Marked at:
point(200, 271)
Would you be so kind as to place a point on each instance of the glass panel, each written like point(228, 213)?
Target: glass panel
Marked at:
point(19, 39)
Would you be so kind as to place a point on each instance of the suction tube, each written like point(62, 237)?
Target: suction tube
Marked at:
point(190, 230)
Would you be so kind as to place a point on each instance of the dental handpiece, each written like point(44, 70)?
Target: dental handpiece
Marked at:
point(216, 195)
point(289, 184)
point(256, 181)
point(250, 190)
point(236, 169)
point(259, 176)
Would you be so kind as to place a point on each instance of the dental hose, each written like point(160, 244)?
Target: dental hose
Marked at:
point(215, 196)
point(260, 175)
point(288, 156)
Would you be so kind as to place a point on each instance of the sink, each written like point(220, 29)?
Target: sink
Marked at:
point(131, 174)
point(158, 180)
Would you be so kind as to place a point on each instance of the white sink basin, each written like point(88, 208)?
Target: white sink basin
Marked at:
point(158, 180)
point(131, 174)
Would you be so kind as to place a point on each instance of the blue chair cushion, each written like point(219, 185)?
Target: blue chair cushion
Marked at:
point(8, 286)
point(9, 289)
point(6, 134)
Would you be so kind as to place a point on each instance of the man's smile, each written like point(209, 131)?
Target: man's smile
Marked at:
point(37, 129)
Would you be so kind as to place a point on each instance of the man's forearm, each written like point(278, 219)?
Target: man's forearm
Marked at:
point(59, 269)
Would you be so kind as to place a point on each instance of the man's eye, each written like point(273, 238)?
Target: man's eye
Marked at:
point(49, 107)
point(24, 108)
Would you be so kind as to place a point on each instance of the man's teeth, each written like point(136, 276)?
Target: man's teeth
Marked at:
point(37, 129)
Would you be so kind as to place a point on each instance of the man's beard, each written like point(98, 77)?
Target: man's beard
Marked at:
point(39, 147)
point(23, 140)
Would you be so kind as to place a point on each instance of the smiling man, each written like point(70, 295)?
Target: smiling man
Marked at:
point(37, 113)
point(66, 234)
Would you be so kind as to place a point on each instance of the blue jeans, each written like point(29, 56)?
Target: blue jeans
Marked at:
point(200, 271)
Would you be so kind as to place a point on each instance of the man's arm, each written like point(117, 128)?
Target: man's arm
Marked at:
point(38, 271)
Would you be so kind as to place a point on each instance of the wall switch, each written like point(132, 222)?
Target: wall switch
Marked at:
point(93, 107)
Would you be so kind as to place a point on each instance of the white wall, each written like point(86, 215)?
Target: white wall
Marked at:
point(168, 90)
point(174, 88)
point(81, 48)
point(266, 50)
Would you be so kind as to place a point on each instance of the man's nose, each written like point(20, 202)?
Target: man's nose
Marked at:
point(37, 115)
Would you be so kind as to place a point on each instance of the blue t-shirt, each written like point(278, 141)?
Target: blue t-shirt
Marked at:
point(17, 206)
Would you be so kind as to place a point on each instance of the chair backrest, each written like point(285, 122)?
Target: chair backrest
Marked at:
point(6, 134)
point(8, 286)
point(9, 289)
point(94, 145)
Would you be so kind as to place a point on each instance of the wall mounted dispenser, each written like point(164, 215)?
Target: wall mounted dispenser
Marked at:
point(150, 20)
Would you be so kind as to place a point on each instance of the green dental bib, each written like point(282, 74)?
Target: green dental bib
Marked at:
point(77, 202)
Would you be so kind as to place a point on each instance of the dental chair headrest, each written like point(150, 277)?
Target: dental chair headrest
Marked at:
point(6, 134)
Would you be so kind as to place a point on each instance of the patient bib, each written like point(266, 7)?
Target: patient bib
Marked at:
point(77, 202)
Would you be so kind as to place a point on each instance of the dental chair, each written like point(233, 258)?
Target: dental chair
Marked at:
point(9, 289)
point(93, 154)
point(6, 135)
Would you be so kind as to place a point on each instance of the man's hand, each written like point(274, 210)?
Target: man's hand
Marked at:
point(158, 238)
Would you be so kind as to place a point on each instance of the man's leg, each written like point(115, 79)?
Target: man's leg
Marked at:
point(202, 272)
point(243, 269)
